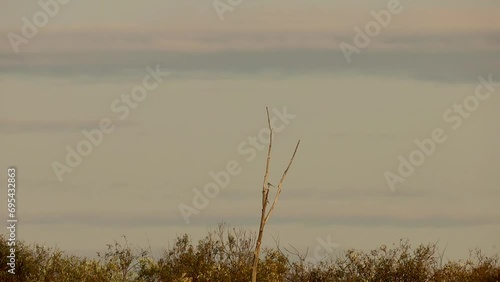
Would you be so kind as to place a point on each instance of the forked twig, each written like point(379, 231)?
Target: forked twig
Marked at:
point(265, 214)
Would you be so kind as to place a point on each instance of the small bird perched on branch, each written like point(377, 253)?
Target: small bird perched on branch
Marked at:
point(269, 184)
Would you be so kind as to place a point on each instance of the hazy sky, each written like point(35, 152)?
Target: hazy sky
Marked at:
point(354, 119)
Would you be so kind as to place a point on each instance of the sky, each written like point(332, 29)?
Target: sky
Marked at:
point(209, 76)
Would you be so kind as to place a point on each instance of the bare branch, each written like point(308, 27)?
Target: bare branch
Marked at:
point(266, 175)
point(296, 252)
point(280, 185)
point(265, 196)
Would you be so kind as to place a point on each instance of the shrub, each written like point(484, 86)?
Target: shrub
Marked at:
point(226, 255)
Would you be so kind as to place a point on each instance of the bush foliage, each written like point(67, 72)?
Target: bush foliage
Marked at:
point(226, 255)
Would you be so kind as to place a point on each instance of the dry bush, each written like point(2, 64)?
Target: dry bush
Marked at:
point(226, 254)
